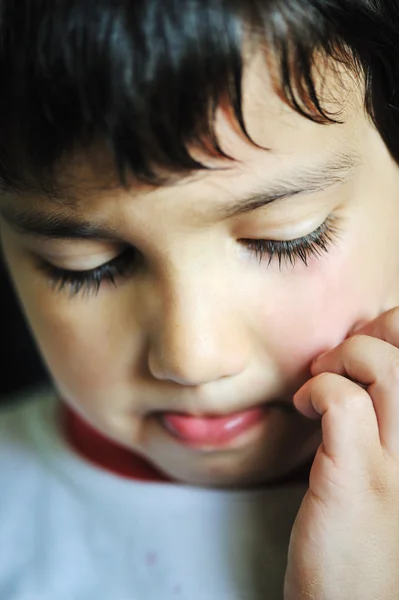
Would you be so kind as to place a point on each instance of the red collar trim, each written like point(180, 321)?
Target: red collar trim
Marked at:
point(105, 453)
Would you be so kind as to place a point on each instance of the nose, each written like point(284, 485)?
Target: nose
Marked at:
point(197, 337)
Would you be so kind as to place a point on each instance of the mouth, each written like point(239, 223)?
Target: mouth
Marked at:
point(218, 431)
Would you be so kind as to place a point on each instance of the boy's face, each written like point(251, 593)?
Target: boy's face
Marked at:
point(199, 325)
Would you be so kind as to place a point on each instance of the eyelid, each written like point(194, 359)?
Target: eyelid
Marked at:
point(295, 208)
point(293, 230)
point(80, 263)
point(63, 250)
point(285, 226)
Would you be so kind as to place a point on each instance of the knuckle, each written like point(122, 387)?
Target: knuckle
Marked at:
point(347, 396)
point(322, 385)
point(322, 381)
point(341, 392)
point(353, 344)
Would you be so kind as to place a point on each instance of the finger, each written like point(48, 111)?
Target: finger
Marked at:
point(374, 364)
point(348, 420)
point(362, 358)
point(385, 327)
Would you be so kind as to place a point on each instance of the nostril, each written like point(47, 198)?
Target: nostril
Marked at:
point(193, 369)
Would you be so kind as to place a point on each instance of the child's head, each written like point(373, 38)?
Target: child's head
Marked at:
point(148, 145)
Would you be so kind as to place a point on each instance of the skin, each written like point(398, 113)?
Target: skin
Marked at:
point(345, 539)
point(203, 327)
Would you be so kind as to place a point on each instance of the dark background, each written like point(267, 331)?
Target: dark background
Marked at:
point(20, 363)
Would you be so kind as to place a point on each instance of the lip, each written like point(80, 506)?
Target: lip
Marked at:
point(213, 431)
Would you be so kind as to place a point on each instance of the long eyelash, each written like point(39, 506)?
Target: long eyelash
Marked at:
point(314, 244)
point(90, 280)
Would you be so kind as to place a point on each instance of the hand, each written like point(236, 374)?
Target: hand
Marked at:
point(345, 541)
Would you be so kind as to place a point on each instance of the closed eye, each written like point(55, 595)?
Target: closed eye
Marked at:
point(90, 280)
point(315, 244)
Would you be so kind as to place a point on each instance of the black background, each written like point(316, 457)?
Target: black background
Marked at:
point(20, 363)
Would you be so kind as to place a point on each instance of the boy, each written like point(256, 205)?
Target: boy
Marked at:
point(199, 212)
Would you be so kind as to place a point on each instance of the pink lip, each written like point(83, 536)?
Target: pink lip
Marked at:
point(212, 431)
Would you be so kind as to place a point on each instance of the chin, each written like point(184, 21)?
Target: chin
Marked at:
point(217, 471)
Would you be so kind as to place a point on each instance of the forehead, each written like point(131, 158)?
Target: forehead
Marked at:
point(272, 123)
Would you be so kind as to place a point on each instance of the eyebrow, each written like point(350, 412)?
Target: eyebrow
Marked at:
point(306, 179)
point(46, 224)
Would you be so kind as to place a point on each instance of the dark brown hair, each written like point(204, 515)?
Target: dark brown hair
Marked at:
point(145, 76)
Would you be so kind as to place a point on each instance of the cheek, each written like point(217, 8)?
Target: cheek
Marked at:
point(77, 339)
point(315, 311)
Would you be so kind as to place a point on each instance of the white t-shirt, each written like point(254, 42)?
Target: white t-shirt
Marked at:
point(72, 531)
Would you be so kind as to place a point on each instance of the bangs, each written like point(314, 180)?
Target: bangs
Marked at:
point(143, 78)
